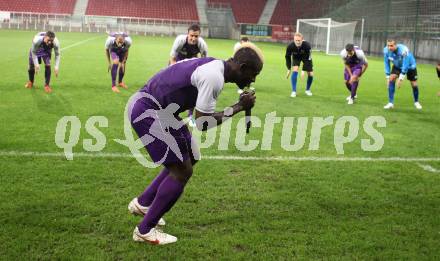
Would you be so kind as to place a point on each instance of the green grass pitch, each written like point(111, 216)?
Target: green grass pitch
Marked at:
point(51, 208)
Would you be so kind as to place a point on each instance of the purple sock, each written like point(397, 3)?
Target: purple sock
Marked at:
point(114, 71)
point(190, 113)
point(348, 86)
point(169, 191)
point(47, 73)
point(121, 74)
point(354, 87)
point(147, 197)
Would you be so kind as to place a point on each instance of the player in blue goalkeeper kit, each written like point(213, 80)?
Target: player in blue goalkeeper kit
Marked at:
point(404, 63)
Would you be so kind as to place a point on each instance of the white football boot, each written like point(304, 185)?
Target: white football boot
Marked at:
point(293, 94)
point(309, 93)
point(239, 91)
point(418, 105)
point(349, 97)
point(136, 209)
point(154, 237)
point(350, 101)
point(388, 106)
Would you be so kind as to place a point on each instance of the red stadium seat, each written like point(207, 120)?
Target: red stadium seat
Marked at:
point(245, 11)
point(38, 6)
point(282, 14)
point(163, 9)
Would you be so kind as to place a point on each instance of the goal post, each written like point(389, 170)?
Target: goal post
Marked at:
point(325, 34)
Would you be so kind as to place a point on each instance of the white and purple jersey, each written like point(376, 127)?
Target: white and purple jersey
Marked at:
point(194, 83)
point(41, 49)
point(357, 59)
point(154, 114)
point(110, 43)
point(183, 50)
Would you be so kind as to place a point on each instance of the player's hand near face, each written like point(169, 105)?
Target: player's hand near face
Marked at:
point(247, 100)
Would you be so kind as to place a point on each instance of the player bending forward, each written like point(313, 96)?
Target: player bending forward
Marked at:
point(41, 49)
point(404, 64)
point(116, 50)
point(194, 83)
point(355, 65)
point(299, 51)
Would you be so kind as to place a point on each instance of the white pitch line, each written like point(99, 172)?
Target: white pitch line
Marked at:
point(217, 157)
point(79, 43)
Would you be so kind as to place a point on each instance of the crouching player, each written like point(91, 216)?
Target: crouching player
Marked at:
point(404, 64)
point(296, 52)
point(355, 65)
point(116, 48)
point(41, 49)
point(195, 83)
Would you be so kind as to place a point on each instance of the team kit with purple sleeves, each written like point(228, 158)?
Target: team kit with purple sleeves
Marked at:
point(118, 53)
point(354, 67)
point(42, 51)
point(189, 83)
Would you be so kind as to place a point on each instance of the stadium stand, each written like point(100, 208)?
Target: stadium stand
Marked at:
point(38, 6)
point(164, 9)
point(245, 11)
point(282, 14)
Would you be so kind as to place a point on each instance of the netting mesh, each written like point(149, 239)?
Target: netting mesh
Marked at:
point(317, 33)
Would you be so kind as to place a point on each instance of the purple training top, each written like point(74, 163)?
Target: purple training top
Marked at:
point(179, 87)
point(173, 84)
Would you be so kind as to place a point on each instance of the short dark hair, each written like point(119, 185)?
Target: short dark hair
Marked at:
point(194, 27)
point(391, 40)
point(50, 34)
point(244, 39)
point(349, 47)
point(248, 56)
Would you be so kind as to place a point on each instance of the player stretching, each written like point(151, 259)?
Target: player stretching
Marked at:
point(41, 49)
point(188, 46)
point(116, 48)
point(299, 51)
point(188, 84)
point(404, 63)
point(355, 65)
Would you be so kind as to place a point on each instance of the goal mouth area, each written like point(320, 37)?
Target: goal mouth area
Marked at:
point(327, 35)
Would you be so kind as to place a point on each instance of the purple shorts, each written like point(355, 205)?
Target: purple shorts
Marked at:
point(41, 55)
point(117, 55)
point(161, 152)
point(355, 70)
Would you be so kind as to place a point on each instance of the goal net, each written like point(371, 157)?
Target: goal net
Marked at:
point(325, 34)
